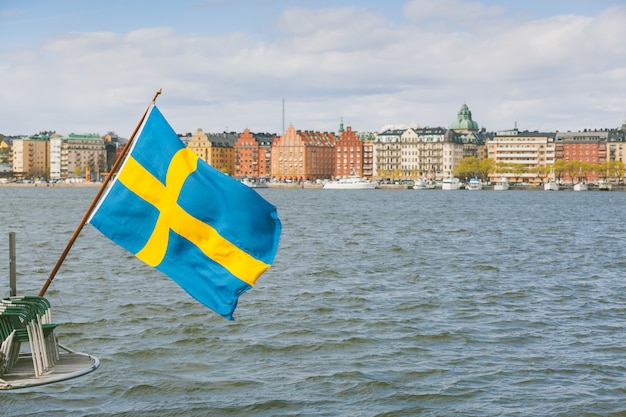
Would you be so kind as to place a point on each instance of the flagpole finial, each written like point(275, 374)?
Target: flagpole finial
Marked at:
point(157, 94)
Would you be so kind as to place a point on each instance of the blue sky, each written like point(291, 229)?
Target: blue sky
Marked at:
point(91, 67)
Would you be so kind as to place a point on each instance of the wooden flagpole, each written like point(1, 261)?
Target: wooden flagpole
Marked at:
point(114, 169)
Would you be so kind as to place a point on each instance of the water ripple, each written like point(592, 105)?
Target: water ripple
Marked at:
point(389, 303)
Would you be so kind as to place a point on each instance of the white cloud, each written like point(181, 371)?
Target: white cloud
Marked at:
point(453, 11)
point(560, 72)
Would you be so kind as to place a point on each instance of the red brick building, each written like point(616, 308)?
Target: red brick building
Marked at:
point(589, 147)
point(349, 154)
point(252, 154)
point(303, 155)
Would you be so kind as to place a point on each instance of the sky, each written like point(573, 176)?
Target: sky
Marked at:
point(75, 66)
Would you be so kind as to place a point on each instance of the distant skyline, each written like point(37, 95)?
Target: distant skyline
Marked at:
point(227, 65)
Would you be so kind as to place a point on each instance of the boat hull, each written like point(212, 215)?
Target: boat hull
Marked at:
point(551, 186)
point(475, 184)
point(501, 185)
point(255, 184)
point(420, 184)
point(351, 183)
point(451, 185)
point(356, 186)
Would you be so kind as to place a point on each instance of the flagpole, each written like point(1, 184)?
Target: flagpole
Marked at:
point(112, 172)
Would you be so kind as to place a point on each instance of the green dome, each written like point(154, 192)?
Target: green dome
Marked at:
point(464, 120)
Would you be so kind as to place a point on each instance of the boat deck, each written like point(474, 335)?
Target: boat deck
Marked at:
point(70, 365)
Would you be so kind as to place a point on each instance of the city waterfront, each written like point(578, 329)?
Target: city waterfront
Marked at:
point(379, 303)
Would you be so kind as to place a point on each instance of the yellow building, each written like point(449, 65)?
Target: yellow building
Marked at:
point(30, 157)
point(529, 150)
point(201, 145)
point(216, 149)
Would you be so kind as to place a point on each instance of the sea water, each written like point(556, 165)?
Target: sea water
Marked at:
point(379, 303)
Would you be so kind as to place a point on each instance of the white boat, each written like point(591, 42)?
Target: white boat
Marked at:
point(353, 182)
point(450, 183)
point(502, 184)
point(255, 182)
point(420, 184)
point(603, 185)
point(475, 184)
point(580, 185)
point(551, 185)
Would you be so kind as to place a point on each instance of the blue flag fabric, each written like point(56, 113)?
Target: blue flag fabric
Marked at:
point(210, 233)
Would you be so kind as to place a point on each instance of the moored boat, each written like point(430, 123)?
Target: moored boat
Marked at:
point(475, 184)
point(255, 182)
point(580, 185)
point(502, 184)
point(420, 184)
point(451, 183)
point(603, 185)
point(551, 185)
point(353, 182)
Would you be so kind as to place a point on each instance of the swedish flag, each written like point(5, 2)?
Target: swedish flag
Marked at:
point(210, 233)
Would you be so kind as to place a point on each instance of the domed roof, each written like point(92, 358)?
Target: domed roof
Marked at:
point(464, 120)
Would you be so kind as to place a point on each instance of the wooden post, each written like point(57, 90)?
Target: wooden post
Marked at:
point(12, 269)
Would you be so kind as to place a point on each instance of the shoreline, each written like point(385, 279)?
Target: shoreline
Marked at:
point(615, 187)
point(53, 185)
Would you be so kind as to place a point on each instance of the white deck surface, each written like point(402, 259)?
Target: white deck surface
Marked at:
point(70, 365)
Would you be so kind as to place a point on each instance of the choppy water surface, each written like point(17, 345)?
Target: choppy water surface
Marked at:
point(380, 303)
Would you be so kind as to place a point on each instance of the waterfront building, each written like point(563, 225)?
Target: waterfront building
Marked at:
point(534, 151)
point(223, 151)
point(77, 156)
point(303, 155)
point(216, 149)
point(349, 154)
point(462, 141)
point(252, 154)
point(114, 146)
point(458, 145)
point(409, 155)
point(434, 153)
point(589, 147)
point(368, 159)
point(586, 146)
point(367, 138)
point(464, 122)
point(616, 146)
point(200, 144)
point(388, 155)
point(5, 152)
point(30, 156)
point(422, 152)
